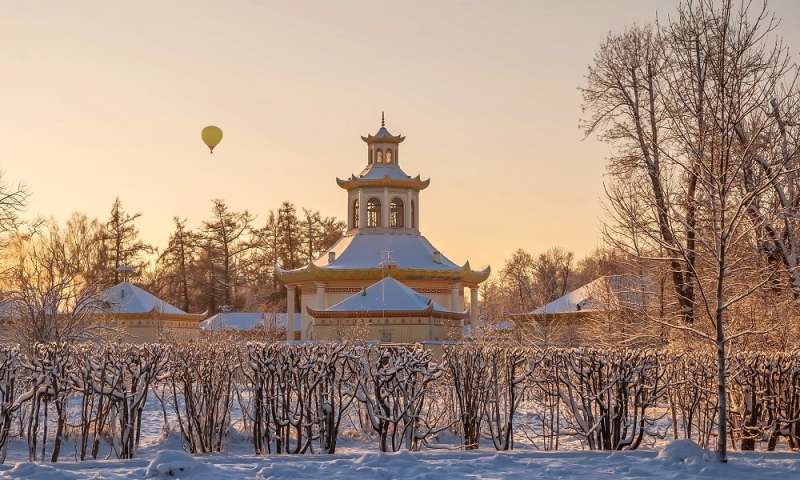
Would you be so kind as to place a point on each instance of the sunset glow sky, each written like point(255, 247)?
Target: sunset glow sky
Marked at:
point(106, 99)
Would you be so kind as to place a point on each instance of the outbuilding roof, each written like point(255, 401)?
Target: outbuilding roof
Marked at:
point(248, 321)
point(390, 298)
point(604, 293)
point(128, 298)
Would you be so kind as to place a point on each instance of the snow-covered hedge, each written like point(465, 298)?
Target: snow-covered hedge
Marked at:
point(296, 398)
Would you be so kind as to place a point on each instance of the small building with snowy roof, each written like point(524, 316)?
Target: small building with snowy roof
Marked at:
point(390, 312)
point(383, 239)
point(611, 298)
point(249, 325)
point(146, 318)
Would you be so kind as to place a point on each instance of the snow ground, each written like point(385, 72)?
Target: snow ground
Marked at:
point(358, 462)
point(358, 457)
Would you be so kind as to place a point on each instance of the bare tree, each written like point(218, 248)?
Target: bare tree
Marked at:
point(552, 270)
point(51, 300)
point(518, 277)
point(13, 200)
point(691, 105)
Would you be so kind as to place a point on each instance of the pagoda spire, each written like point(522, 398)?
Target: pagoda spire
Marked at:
point(383, 124)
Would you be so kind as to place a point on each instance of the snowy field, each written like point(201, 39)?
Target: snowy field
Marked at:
point(162, 456)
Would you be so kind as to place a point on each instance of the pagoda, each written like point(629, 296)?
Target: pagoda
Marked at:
point(383, 240)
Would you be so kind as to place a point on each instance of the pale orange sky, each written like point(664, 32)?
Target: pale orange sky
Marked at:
point(106, 99)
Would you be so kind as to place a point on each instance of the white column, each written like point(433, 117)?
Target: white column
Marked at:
point(385, 208)
point(290, 312)
point(350, 212)
point(416, 213)
point(454, 300)
point(320, 296)
point(473, 304)
point(407, 211)
point(362, 207)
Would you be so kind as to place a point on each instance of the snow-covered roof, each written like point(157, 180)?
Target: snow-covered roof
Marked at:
point(363, 250)
point(388, 295)
point(248, 321)
point(6, 309)
point(605, 292)
point(376, 171)
point(128, 298)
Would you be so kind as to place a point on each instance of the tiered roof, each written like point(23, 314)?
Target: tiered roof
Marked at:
point(358, 255)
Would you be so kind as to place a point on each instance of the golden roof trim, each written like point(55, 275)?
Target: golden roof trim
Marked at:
point(428, 312)
point(386, 181)
point(383, 138)
point(154, 314)
point(312, 272)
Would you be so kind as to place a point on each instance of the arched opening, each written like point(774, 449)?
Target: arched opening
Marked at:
point(355, 213)
point(413, 216)
point(396, 213)
point(388, 156)
point(373, 213)
point(378, 157)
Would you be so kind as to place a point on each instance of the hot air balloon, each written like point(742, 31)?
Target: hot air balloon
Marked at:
point(211, 136)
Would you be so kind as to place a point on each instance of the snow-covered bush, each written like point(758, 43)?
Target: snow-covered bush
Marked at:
point(201, 381)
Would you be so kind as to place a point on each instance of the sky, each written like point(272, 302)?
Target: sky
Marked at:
point(100, 100)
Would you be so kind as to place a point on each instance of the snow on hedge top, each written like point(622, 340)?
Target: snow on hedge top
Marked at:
point(684, 450)
point(128, 298)
point(248, 321)
point(388, 294)
point(363, 250)
point(171, 463)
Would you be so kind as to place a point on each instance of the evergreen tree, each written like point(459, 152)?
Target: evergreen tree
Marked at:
point(121, 244)
point(177, 262)
point(225, 240)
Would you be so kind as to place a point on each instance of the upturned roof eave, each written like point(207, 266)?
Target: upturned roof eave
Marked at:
point(312, 272)
point(354, 181)
point(383, 139)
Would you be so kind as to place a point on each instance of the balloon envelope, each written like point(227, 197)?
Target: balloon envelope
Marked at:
point(211, 136)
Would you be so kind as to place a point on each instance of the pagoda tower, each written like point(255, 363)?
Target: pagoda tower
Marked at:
point(383, 240)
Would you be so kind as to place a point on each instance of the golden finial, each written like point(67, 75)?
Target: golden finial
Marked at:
point(382, 122)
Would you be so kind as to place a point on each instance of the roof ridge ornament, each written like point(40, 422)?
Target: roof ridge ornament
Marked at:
point(383, 123)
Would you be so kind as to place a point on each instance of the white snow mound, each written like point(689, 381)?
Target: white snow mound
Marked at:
point(684, 450)
point(171, 463)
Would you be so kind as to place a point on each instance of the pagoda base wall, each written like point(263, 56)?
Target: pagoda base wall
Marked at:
point(395, 330)
point(156, 331)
